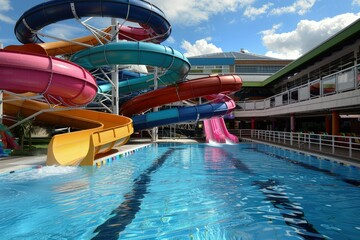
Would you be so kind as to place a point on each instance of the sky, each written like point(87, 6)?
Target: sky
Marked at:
point(284, 29)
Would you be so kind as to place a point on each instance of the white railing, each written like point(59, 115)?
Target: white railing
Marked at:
point(345, 80)
point(347, 146)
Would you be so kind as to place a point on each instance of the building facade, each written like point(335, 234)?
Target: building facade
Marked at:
point(318, 92)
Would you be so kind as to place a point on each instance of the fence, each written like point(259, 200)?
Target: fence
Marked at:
point(345, 146)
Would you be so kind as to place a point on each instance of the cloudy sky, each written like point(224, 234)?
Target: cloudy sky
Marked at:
point(277, 28)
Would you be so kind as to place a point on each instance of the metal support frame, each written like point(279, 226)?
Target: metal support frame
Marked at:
point(115, 74)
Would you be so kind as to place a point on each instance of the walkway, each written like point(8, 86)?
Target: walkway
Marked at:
point(341, 155)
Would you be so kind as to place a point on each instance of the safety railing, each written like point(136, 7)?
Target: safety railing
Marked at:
point(346, 146)
point(342, 81)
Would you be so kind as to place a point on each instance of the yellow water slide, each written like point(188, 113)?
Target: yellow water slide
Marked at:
point(97, 132)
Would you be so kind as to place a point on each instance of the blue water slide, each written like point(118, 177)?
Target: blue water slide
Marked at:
point(138, 53)
point(178, 115)
point(49, 12)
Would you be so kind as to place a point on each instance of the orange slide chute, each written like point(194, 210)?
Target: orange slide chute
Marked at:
point(61, 47)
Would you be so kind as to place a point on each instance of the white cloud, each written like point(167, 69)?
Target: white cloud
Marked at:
point(307, 35)
point(252, 12)
point(6, 19)
point(192, 12)
point(170, 40)
point(4, 7)
point(300, 7)
point(356, 2)
point(200, 47)
point(64, 31)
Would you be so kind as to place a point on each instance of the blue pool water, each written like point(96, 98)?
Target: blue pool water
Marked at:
point(186, 191)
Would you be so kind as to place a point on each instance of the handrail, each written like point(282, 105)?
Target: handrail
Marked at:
point(346, 146)
point(344, 80)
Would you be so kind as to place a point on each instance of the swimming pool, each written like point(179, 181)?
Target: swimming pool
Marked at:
point(186, 191)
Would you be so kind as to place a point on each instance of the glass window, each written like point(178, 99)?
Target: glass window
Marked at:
point(346, 80)
point(328, 85)
point(257, 68)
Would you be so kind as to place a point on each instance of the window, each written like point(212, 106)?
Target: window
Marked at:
point(257, 68)
point(210, 69)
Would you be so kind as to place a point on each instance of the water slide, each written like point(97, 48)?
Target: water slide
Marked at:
point(103, 131)
point(176, 66)
point(153, 28)
point(215, 127)
point(200, 87)
point(65, 83)
point(216, 131)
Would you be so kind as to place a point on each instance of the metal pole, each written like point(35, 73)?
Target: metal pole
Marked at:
point(155, 109)
point(115, 73)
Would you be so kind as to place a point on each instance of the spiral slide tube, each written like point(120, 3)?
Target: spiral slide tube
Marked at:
point(61, 82)
point(141, 53)
point(182, 91)
point(176, 66)
point(151, 18)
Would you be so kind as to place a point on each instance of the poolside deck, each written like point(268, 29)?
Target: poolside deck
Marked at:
point(340, 156)
point(19, 163)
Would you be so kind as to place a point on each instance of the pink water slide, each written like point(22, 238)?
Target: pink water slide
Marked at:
point(215, 128)
point(61, 82)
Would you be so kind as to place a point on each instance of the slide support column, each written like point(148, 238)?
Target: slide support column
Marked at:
point(115, 73)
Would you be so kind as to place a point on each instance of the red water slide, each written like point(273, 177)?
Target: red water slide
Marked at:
point(182, 91)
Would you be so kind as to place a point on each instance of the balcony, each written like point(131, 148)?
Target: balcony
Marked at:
point(338, 90)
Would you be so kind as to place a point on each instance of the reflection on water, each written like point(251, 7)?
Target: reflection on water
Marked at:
point(201, 191)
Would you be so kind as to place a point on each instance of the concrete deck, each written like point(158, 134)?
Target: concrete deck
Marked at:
point(19, 163)
point(14, 163)
point(341, 155)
